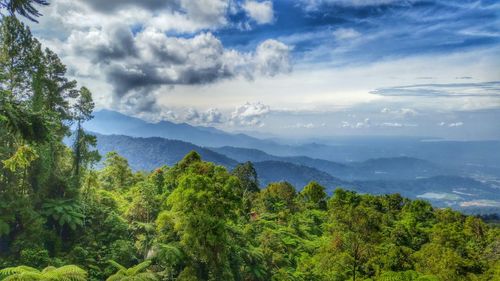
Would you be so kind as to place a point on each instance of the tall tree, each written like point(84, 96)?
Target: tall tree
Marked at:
point(247, 175)
point(203, 208)
point(83, 155)
point(116, 174)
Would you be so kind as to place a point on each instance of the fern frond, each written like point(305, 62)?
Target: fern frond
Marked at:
point(117, 265)
point(138, 268)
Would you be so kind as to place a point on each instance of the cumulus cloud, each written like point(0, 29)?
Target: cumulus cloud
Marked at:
point(201, 13)
point(366, 123)
point(451, 125)
point(402, 112)
point(137, 65)
point(250, 114)
point(134, 48)
point(273, 57)
point(207, 118)
point(260, 11)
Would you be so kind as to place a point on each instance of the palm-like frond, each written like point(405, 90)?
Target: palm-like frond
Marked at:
point(135, 270)
point(66, 273)
point(169, 252)
point(26, 273)
point(132, 274)
point(16, 270)
point(117, 265)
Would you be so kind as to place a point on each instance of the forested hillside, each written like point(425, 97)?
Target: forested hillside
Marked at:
point(411, 177)
point(60, 219)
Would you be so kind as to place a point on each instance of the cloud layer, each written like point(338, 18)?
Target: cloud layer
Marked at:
point(482, 89)
point(200, 61)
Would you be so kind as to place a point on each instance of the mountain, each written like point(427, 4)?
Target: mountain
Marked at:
point(111, 122)
point(297, 175)
point(479, 159)
point(151, 153)
point(395, 168)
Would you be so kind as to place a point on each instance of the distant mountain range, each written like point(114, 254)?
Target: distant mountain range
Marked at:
point(381, 168)
point(448, 173)
point(111, 122)
point(377, 176)
point(470, 158)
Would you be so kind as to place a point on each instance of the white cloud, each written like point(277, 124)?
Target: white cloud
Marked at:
point(316, 4)
point(306, 126)
point(450, 125)
point(273, 57)
point(457, 124)
point(402, 112)
point(396, 125)
point(209, 12)
point(408, 112)
point(345, 34)
point(260, 11)
point(207, 118)
point(173, 15)
point(250, 114)
point(366, 123)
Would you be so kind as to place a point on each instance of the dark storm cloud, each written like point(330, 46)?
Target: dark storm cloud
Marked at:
point(146, 76)
point(122, 46)
point(483, 89)
point(150, 58)
point(137, 77)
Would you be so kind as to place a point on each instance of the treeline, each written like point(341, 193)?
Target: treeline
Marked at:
point(62, 220)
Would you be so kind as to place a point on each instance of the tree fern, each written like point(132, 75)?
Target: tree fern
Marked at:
point(134, 273)
point(26, 273)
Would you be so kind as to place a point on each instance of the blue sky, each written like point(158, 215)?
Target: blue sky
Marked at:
point(291, 68)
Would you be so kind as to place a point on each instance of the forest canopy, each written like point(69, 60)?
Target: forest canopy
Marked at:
point(61, 219)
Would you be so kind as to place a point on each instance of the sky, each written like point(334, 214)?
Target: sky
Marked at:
point(288, 68)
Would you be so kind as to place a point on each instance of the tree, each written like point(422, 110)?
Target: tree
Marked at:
point(353, 233)
point(247, 175)
point(83, 156)
point(278, 196)
point(25, 8)
point(203, 208)
point(314, 194)
point(135, 273)
point(64, 213)
point(116, 174)
point(26, 273)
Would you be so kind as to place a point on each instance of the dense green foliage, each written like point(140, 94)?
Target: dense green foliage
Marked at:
point(193, 220)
